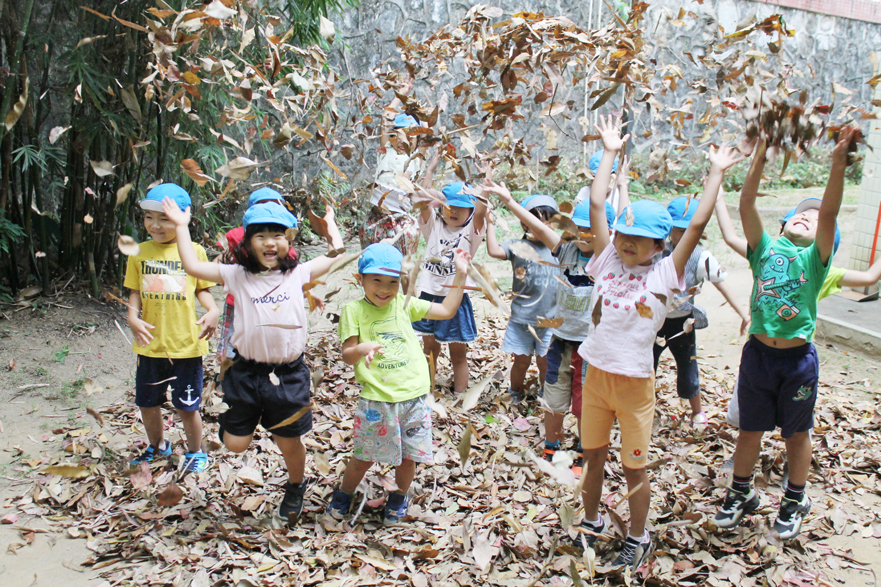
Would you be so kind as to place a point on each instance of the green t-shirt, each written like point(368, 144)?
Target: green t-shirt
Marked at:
point(832, 285)
point(786, 282)
point(400, 373)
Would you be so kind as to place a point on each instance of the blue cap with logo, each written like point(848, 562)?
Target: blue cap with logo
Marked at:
point(595, 159)
point(269, 213)
point(380, 259)
point(405, 121)
point(650, 219)
point(265, 195)
point(456, 197)
point(153, 199)
point(681, 210)
point(581, 215)
point(537, 200)
point(811, 204)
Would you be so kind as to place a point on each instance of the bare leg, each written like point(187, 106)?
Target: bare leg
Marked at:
point(518, 372)
point(746, 453)
point(237, 444)
point(192, 421)
point(542, 364)
point(459, 358)
point(595, 463)
point(798, 454)
point(404, 474)
point(432, 348)
point(695, 403)
point(355, 471)
point(153, 425)
point(553, 426)
point(294, 454)
point(640, 501)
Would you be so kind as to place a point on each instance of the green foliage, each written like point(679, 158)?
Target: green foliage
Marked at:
point(61, 354)
point(10, 234)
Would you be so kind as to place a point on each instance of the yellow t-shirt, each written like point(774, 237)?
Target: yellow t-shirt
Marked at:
point(168, 300)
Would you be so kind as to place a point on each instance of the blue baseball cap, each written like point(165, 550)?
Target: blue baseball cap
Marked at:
point(456, 197)
point(581, 215)
point(678, 212)
point(650, 219)
point(595, 159)
point(269, 213)
point(405, 121)
point(380, 259)
point(153, 200)
point(537, 200)
point(265, 195)
point(809, 204)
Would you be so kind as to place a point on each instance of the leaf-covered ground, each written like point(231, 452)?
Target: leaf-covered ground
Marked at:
point(496, 520)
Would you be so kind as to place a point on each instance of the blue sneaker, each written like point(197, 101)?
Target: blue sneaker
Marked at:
point(340, 504)
point(196, 461)
point(395, 509)
point(150, 453)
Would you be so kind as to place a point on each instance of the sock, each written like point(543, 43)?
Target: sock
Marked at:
point(164, 445)
point(794, 492)
point(638, 539)
point(552, 445)
point(595, 524)
point(741, 484)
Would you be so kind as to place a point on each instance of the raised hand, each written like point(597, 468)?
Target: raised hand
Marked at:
point(462, 259)
point(610, 131)
point(500, 189)
point(725, 157)
point(623, 178)
point(842, 147)
point(174, 213)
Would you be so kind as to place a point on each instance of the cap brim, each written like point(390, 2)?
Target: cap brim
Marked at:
point(387, 271)
point(809, 204)
point(622, 228)
point(152, 205)
point(460, 204)
point(681, 223)
point(581, 223)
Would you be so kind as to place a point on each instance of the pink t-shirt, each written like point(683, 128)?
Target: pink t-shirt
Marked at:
point(270, 298)
point(441, 241)
point(622, 341)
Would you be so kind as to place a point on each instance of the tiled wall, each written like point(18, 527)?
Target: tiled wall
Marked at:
point(867, 10)
point(870, 199)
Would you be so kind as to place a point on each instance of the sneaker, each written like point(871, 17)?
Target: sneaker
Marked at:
point(634, 553)
point(395, 509)
point(516, 396)
point(292, 502)
point(736, 505)
point(578, 466)
point(150, 453)
point(340, 504)
point(792, 514)
point(196, 461)
point(549, 454)
point(699, 419)
point(591, 535)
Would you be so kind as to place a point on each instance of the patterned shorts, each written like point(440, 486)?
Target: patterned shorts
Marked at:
point(390, 432)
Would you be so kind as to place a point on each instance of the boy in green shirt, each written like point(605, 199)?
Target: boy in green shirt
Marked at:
point(779, 369)
point(393, 419)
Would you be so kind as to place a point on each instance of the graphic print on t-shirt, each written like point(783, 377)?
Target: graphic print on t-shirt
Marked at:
point(163, 280)
point(776, 289)
point(394, 348)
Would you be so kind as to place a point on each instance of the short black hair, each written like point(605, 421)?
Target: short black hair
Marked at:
point(244, 255)
point(543, 212)
point(661, 242)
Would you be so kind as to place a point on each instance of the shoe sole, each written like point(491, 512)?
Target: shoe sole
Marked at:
point(747, 510)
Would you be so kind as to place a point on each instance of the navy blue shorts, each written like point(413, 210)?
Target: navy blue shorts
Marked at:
point(777, 388)
point(254, 399)
point(156, 375)
point(459, 328)
point(684, 349)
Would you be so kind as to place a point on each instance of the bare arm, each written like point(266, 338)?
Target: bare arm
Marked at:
point(208, 321)
point(612, 143)
point(430, 169)
point(623, 183)
point(321, 265)
point(194, 266)
point(493, 248)
point(353, 351)
point(749, 214)
point(479, 219)
point(729, 297)
point(542, 231)
point(853, 278)
point(447, 309)
point(825, 241)
point(719, 162)
point(140, 329)
point(729, 234)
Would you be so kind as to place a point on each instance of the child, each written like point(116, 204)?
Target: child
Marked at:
point(457, 225)
point(616, 194)
point(268, 382)
point(169, 342)
point(233, 239)
point(535, 293)
point(682, 342)
point(779, 369)
point(630, 300)
point(566, 369)
point(393, 420)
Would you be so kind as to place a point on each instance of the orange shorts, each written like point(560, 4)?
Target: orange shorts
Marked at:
point(631, 400)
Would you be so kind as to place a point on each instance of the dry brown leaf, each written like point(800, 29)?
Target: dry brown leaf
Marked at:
point(69, 471)
point(128, 246)
point(170, 496)
point(299, 414)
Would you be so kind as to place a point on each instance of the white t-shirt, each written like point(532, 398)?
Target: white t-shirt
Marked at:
point(392, 163)
point(622, 341)
point(441, 241)
point(270, 298)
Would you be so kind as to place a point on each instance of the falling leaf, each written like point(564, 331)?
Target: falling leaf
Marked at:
point(238, 168)
point(629, 216)
point(170, 496)
point(94, 413)
point(18, 108)
point(318, 224)
point(130, 100)
point(549, 322)
point(597, 313)
point(69, 471)
point(102, 168)
point(191, 168)
point(274, 378)
point(661, 297)
point(56, 133)
point(88, 219)
point(219, 10)
point(299, 414)
point(688, 325)
point(128, 246)
point(122, 193)
point(525, 251)
point(464, 447)
point(326, 29)
point(472, 396)
point(142, 477)
point(644, 310)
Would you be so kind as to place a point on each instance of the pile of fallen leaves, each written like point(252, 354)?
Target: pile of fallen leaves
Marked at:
point(484, 513)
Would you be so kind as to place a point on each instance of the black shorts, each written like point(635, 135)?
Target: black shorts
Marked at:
point(777, 387)
point(254, 399)
point(155, 376)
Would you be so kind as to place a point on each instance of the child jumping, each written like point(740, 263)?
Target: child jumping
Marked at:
point(169, 341)
point(535, 293)
point(269, 381)
point(681, 341)
point(459, 224)
point(630, 300)
point(393, 420)
point(779, 369)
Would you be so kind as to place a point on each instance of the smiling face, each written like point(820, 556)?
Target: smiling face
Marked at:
point(160, 227)
point(455, 216)
point(636, 250)
point(379, 289)
point(268, 246)
point(801, 229)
